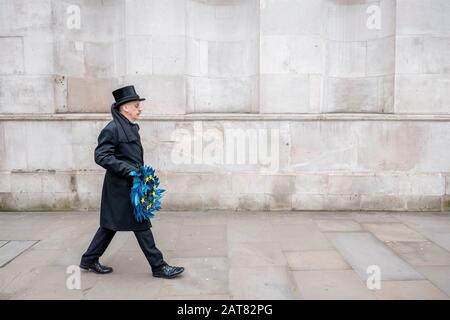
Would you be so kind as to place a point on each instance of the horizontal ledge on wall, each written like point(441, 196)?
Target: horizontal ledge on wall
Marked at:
point(230, 116)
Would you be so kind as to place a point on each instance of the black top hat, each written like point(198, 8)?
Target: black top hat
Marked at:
point(126, 94)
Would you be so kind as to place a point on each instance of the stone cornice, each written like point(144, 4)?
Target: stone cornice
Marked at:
point(230, 117)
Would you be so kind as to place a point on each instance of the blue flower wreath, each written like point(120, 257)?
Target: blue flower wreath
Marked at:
point(145, 195)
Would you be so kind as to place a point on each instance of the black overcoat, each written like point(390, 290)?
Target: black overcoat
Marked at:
point(119, 151)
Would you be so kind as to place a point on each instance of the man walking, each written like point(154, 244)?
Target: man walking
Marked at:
point(119, 151)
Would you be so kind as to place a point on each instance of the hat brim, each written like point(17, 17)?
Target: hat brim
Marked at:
point(126, 100)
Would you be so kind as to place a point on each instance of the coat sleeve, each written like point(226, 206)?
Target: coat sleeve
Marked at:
point(105, 157)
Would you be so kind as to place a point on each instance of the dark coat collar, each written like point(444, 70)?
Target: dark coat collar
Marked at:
point(128, 131)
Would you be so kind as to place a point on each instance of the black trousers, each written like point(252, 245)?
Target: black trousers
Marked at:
point(104, 236)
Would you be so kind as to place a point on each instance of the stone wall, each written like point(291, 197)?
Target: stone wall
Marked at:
point(331, 111)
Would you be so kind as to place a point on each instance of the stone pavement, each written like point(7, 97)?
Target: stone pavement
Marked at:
point(233, 255)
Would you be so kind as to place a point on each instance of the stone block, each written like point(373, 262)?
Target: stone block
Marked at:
point(69, 57)
point(24, 17)
point(319, 145)
point(39, 55)
point(291, 17)
point(401, 142)
point(59, 182)
point(380, 56)
point(435, 147)
point(233, 59)
point(253, 202)
point(308, 202)
point(367, 94)
point(382, 202)
point(280, 184)
point(279, 202)
point(436, 55)
point(424, 203)
point(89, 182)
point(165, 94)
point(224, 95)
point(291, 54)
point(168, 55)
point(311, 184)
point(235, 21)
point(418, 17)
point(248, 183)
point(348, 21)
point(39, 148)
point(409, 55)
point(197, 183)
point(89, 94)
point(99, 59)
point(346, 59)
point(219, 201)
point(182, 201)
point(139, 55)
point(5, 183)
point(285, 93)
point(26, 94)
point(145, 17)
point(11, 55)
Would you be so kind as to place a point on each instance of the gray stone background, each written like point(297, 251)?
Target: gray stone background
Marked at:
point(362, 114)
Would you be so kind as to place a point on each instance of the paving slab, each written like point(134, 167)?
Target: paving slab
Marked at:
point(338, 225)
point(336, 285)
point(272, 283)
point(409, 290)
point(12, 249)
point(439, 276)
point(256, 254)
point(421, 253)
point(393, 232)
point(315, 260)
point(126, 286)
point(299, 237)
point(201, 241)
point(202, 276)
point(362, 250)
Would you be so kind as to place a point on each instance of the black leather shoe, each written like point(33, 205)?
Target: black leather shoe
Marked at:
point(97, 268)
point(167, 271)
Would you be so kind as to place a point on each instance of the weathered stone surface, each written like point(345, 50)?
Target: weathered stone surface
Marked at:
point(253, 266)
point(315, 260)
point(267, 58)
point(409, 290)
point(89, 95)
point(335, 285)
point(26, 94)
point(11, 57)
point(12, 249)
point(362, 250)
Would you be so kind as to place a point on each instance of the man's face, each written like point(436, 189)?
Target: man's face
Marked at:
point(132, 110)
